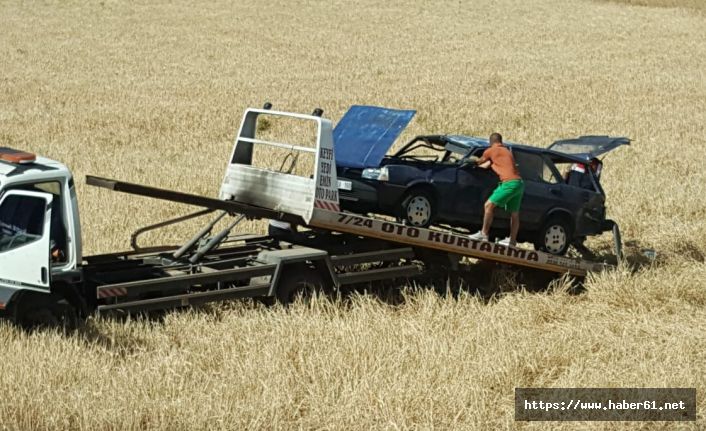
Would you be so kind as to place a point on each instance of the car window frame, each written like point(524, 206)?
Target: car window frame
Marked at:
point(420, 143)
point(552, 167)
point(515, 151)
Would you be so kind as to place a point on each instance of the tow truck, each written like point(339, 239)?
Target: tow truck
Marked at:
point(46, 280)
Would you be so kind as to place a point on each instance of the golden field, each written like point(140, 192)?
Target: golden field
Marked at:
point(153, 93)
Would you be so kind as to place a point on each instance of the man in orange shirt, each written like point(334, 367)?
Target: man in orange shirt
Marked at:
point(508, 194)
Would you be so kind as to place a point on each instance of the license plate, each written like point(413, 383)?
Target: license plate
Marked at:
point(345, 185)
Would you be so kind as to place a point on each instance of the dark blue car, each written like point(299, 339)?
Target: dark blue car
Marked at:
point(427, 182)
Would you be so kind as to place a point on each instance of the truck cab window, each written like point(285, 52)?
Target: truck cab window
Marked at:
point(21, 221)
point(58, 231)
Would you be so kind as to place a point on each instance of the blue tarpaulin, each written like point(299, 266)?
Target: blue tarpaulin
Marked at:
point(365, 133)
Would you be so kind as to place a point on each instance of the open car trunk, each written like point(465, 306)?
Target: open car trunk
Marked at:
point(588, 147)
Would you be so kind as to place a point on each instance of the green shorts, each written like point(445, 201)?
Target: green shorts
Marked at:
point(508, 195)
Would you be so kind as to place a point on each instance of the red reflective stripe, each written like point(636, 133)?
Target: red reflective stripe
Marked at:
point(325, 205)
point(108, 292)
point(330, 206)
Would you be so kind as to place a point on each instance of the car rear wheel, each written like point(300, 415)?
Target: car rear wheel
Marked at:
point(555, 236)
point(418, 208)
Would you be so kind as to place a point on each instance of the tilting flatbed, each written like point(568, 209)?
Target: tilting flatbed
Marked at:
point(398, 233)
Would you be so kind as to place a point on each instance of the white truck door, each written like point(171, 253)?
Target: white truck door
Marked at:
point(25, 220)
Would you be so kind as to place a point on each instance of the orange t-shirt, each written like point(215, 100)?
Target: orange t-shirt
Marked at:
point(502, 162)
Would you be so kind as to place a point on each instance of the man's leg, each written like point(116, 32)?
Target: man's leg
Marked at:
point(488, 217)
point(488, 212)
point(513, 206)
point(514, 226)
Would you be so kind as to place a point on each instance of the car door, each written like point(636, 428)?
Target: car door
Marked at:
point(472, 188)
point(588, 205)
point(543, 188)
point(25, 222)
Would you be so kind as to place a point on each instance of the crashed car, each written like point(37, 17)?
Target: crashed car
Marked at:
point(427, 182)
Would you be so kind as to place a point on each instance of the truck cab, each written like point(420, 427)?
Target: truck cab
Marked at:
point(40, 236)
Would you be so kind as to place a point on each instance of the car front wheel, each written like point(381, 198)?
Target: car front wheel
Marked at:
point(418, 208)
point(555, 236)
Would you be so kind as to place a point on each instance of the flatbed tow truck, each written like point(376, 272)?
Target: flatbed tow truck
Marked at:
point(46, 280)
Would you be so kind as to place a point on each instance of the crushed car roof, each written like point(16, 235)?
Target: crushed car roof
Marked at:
point(468, 141)
point(581, 149)
point(365, 133)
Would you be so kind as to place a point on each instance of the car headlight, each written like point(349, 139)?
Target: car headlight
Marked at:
point(380, 174)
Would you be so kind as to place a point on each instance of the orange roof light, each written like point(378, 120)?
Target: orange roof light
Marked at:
point(16, 156)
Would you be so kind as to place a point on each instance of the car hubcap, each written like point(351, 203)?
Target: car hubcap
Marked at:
point(419, 211)
point(555, 239)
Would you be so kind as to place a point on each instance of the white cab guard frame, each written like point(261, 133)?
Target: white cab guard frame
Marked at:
point(288, 193)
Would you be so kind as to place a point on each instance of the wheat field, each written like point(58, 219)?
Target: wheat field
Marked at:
point(152, 92)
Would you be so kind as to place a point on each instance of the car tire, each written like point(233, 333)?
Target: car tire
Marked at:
point(418, 208)
point(555, 236)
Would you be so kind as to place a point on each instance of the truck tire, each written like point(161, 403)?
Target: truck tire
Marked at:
point(38, 311)
point(298, 282)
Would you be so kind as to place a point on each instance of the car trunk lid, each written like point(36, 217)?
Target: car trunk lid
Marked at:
point(588, 147)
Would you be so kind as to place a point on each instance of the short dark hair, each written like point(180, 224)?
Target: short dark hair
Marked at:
point(496, 137)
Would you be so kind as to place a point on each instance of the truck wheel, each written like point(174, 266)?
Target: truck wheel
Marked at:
point(48, 314)
point(555, 236)
point(298, 282)
point(418, 208)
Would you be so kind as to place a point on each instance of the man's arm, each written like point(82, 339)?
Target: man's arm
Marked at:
point(484, 161)
point(475, 160)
